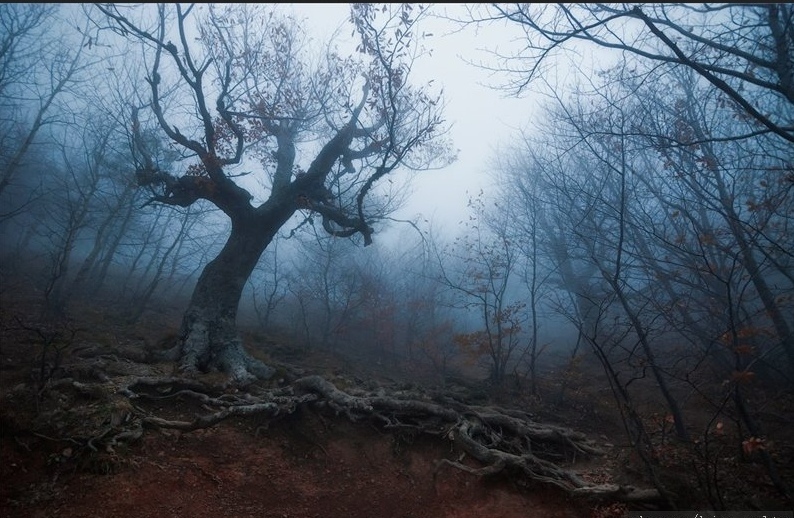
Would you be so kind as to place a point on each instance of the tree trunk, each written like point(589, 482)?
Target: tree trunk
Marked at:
point(208, 338)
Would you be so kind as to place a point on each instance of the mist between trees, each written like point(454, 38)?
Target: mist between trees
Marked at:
point(170, 158)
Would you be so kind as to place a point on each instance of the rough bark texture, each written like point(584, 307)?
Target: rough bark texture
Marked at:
point(208, 339)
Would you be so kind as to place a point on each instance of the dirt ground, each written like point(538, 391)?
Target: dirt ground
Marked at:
point(304, 466)
point(299, 469)
point(55, 459)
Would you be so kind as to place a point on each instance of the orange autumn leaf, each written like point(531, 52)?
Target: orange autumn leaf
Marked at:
point(751, 445)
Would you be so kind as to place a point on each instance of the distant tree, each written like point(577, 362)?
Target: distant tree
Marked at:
point(325, 283)
point(269, 285)
point(410, 312)
point(254, 94)
point(520, 203)
point(155, 271)
point(726, 209)
point(73, 191)
point(35, 71)
point(662, 244)
point(479, 268)
point(582, 225)
point(109, 98)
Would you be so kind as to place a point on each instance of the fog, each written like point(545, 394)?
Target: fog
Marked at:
point(527, 202)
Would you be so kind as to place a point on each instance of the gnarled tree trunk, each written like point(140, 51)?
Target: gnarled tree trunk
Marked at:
point(208, 339)
point(365, 139)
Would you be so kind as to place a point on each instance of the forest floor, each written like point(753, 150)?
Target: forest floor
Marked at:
point(307, 467)
point(304, 464)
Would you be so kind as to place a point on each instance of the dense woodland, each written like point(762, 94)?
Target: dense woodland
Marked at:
point(635, 251)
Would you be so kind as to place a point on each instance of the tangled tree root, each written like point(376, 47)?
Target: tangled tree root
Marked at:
point(499, 439)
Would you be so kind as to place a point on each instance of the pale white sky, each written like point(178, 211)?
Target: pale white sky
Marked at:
point(482, 118)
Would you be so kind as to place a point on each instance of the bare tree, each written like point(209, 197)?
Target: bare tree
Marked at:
point(580, 223)
point(158, 264)
point(361, 117)
point(326, 284)
point(479, 268)
point(35, 70)
point(744, 51)
point(675, 235)
point(72, 200)
point(725, 210)
point(520, 203)
point(268, 285)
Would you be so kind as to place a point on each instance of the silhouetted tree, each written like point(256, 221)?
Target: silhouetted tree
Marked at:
point(35, 70)
point(478, 267)
point(744, 51)
point(255, 95)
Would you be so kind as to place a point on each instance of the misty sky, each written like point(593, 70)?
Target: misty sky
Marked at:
point(482, 118)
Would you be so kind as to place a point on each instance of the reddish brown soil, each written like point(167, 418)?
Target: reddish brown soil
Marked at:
point(306, 466)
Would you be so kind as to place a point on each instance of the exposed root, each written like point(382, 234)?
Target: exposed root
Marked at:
point(197, 353)
point(498, 439)
point(242, 367)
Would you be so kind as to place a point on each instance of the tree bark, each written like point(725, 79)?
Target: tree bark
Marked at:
point(208, 338)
